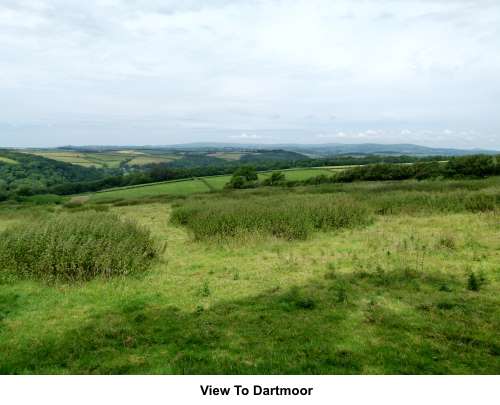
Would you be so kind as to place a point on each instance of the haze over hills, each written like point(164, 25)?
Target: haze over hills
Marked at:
point(308, 149)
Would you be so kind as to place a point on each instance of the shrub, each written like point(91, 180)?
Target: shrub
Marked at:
point(473, 282)
point(76, 246)
point(276, 179)
point(480, 202)
point(293, 218)
point(447, 242)
point(243, 177)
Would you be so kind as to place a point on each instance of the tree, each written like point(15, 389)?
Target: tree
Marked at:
point(275, 179)
point(248, 172)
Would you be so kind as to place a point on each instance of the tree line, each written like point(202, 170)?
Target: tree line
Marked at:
point(474, 166)
point(32, 175)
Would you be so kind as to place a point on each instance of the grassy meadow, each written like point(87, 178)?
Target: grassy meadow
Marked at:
point(110, 159)
point(192, 186)
point(376, 278)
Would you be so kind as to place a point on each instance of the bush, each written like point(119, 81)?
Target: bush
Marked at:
point(276, 179)
point(473, 283)
point(44, 199)
point(76, 246)
point(480, 202)
point(293, 218)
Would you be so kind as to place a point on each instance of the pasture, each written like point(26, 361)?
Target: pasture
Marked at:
point(197, 185)
point(175, 188)
point(109, 159)
point(7, 160)
point(414, 290)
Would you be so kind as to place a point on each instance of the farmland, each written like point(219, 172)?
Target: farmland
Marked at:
point(109, 159)
point(115, 158)
point(413, 289)
point(198, 185)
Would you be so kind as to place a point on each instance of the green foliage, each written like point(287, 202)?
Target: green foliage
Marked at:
point(76, 247)
point(473, 282)
point(480, 202)
point(44, 199)
point(243, 177)
point(472, 166)
point(294, 218)
point(248, 172)
point(338, 303)
point(36, 175)
point(276, 178)
point(475, 166)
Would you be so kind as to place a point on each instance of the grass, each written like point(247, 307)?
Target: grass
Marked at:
point(182, 187)
point(75, 247)
point(111, 159)
point(393, 297)
point(301, 174)
point(146, 160)
point(192, 186)
point(295, 218)
point(7, 160)
point(217, 182)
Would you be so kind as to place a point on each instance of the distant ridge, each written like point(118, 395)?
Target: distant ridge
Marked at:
point(329, 149)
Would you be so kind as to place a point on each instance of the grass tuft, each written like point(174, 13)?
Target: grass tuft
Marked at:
point(77, 246)
point(288, 219)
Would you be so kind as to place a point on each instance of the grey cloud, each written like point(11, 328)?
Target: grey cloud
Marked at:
point(149, 71)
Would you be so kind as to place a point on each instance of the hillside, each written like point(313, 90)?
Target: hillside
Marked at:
point(361, 278)
point(139, 157)
point(23, 173)
point(330, 149)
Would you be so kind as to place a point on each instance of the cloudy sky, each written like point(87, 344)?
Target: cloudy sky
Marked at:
point(250, 71)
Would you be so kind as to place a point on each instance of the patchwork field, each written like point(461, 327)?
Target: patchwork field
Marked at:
point(110, 159)
point(198, 185)
point(412, 290)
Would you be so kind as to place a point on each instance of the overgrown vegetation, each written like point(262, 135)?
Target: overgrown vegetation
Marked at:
point(77, 246)
point(415, 292)
point(294, 218)
point(475, 166)
point(295, 213)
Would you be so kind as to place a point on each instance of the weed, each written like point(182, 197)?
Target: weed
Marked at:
point(289, 219)
point(205, 290)
point(447, 242)
point(76, 247)
point(473, 282)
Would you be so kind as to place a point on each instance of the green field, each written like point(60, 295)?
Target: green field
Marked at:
point(217, 182)
point(7, 160)
point(190, 186)
point(110, 159)
point(181, 187)
point(413, 291)
point(303, 174)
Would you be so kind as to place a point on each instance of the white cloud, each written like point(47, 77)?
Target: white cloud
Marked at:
point(175, 68)
point(245, 136)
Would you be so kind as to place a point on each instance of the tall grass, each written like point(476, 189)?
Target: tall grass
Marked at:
point(76, 246)
point(293, 218)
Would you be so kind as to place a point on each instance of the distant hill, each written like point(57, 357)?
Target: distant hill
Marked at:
point(307, 149)
point(382, 149)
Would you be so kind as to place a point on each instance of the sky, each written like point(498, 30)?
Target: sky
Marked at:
point(159, 72)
